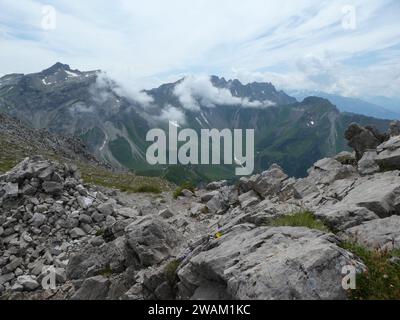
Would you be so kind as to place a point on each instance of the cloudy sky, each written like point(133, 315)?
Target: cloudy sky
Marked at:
point(350, 47)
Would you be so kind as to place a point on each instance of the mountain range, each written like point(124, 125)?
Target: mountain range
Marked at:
point(113, 124)
point(356, 105)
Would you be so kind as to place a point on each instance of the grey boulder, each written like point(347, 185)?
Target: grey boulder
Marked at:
point(383, 234)
point(28, 282)
point(389, 154)
point(368, 163)
point(216, 185)
point(327, 170)
point(340, 217)
point(248, 199)
point(166, 213)
point(379, 194)
point(52, 187)
point(269, 263)
point(91, 261)
point(151, 239)
point(95, 288)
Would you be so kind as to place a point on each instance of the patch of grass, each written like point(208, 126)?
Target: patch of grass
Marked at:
point(7, 165)
point(10, 155)
point(381, 281)
point(124, 181)
point(170, 272)
point(185, 185)
point(148, 189)
point(299, 219)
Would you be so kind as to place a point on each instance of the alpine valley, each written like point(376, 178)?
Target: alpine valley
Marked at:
point(113, 124)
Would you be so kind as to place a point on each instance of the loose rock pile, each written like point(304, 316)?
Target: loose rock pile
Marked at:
point(46, 213)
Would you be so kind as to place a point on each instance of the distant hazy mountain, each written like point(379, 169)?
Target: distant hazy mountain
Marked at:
point(392, 104)
point(354, 105)
point(114, 126)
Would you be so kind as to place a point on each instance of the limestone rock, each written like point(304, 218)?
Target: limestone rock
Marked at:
point(394, 128)
point(341, 217)
point(127, 212)
point(187, 193)
point(84, 202)
point(10, 190)
point(368, 163)
point(28, 282)
point(197, 208)
point(379, 194)
point(208, 196)
point(52, 187)
point(269, 263)
point(327, 170)
point(217, 185)
point(91, 261)
point(38, 219)
point(151, 239)
point(382, 234)
point(269, 182)
point(77, 233)
point(346, 158)
point(389, 154)
point(248, 199)
point(166, 213)
point(106, 208)
point(95, 288)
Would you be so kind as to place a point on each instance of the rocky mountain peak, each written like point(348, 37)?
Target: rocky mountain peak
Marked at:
point(313, 100)
point(58, 66)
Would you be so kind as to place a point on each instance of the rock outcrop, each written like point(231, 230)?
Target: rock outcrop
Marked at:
point(267, 263)
point(362, 139)
point(382, 234)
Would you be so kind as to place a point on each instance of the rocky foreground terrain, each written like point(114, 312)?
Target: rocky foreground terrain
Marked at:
point(222, 242)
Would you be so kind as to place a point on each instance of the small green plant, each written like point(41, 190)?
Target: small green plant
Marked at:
point(148, 189)
point(99, 232)
point(381, 281)
point(106, 272)
point(299, 219)
point(170, 272)
point(185, 185)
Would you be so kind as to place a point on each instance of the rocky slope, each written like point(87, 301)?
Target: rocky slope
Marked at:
point(113, 124)
point(19, 135)
point(222, 242)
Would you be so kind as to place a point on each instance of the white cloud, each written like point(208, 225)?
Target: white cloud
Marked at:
point(144, 43)
point(194, 91)
point(324, 73)
point(134, 94)
point(106, 85)
point(81, 108)
point(101, 89)
point(172, 114)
